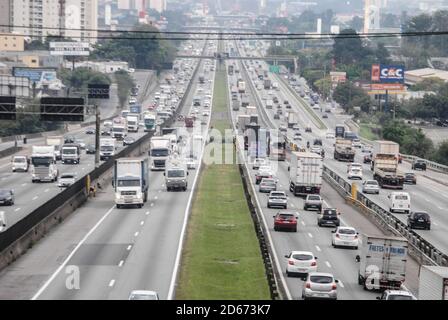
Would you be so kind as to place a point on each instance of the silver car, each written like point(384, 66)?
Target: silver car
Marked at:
point(66, 180)
point(278, 199)
point(370, 186)
point(319, 285)
point(267, 185)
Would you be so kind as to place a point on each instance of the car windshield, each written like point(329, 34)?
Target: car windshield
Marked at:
point(399, 297)
point(286, 216)
point(317, 198)
point(409, 174)
point(346, 231)
point(67, 176)
point(321, 279)
point(159, 152)
point(107, 148)
point(420, 215)
point(69, 151)
point(19, 160)
point(128, 183)
point(176, 173)
point(372, 182)
point(330, 212)
point(401, 197)
point(268, 183)
point(4, 193)
point(143, 297)
point(302, 257)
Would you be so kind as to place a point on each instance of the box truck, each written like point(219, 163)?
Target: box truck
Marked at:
point(71, 153)
point(43, 164)
point(160, 150)
point(385, 164)
point(343, 150)
point(57, 142)
point(130, 181)
point(305, 173)
point(132, 122)
point(107, 148)
point(433, 283)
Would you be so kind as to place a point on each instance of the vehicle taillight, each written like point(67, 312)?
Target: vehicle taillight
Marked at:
point(356, 237)
point(337, 235)
point(308, 285)
point(334, 287)
point(314, 263)
point(291, 262)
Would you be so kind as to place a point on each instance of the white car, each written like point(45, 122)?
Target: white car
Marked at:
point(345, 237)
point(320, 285)
point(329, 135)
point(316, 149)
point(301, 262)
point(143, 295)
point(355, 173)
point(191, 163)
point(66, 180)
point(371, 186)
point(258, 162)
point(396, 295)
point(205, 114)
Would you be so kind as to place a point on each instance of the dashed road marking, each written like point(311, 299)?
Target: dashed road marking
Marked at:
point(147, 213)
point(17, 209)
point(83, 168)
point(136, 234)
point(111, 283)
point(121, 263)
point(46, 190)
point(152, 204)
point(142, 223)
point(23, 184)
point(303, 223)
point(34, 198)
point(160, 191)
point(310, 235)
point(129, 247)
point(341, 284)
point(435, 223)
point(318, 248)
point(328, 264)
point(155, 198)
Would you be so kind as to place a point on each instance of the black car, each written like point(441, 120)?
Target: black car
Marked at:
point(275, 99)
point(128, 141)
point(419, 164)
point(90, 149)
point(308, 129)
point(69, 139)
point(276, 116)
point(105, 132)
point(328, 217)
point(410, 177)
point(325, 116)
point(367, 158)
point(6, 197)
point(419, 220)
point(317, 142)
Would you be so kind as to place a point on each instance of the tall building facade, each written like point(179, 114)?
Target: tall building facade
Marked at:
point(5, 15)
point(68, 18)
point(158, 5)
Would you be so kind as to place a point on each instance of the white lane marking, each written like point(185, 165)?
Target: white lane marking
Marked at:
point(427, 200)
point(53, 276)
point(111, 283)
point(292, 205)
point(328, 264)
point(23, 184)
point(155, 198)
point(83, 168)
point(435, 223)
point(36, 197)
point(310, 235)
point(147, 213)
point(163, 185)
point(3, 178)
point(136, 234)
point(303, 223)
point(46, 190)
point(152, 204)
point(160, 191)
point(318, 248)
point(341, 284)
point(121, 263)
point(17, 209)
point(129, 247)
point(142, 223)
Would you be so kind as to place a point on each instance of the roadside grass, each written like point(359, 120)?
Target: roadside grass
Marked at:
point(221, 257)
point(365, 131)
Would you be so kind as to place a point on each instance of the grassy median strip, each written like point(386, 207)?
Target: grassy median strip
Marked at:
point(366, 131)
point(221, 258)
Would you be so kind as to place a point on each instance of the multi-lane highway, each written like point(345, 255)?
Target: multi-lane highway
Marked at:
point(114, 250)
point(310, 237)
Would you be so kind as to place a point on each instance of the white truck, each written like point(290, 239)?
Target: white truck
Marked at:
point(130, 181)
point(43, 164)
point(385, 164)
point(119, 128)
point(241, 86)
point(292, 119)
point(250, 110)
point(107, 148)
point(382, 262)
point(176, 174)
point(71, 153)
point(57, 142)
point(305, 173)
point(132, 122)
point(159, 152)
point(433, 283)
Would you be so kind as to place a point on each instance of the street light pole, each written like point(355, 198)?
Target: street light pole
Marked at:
point(97, 136)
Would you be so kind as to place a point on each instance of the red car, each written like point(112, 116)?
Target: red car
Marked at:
point(285, 220)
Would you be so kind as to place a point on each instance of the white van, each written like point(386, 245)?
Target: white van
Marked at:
point(399, 202)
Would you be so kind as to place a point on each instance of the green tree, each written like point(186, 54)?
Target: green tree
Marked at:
point(441, 155)
point(349, 96)
point(357, 23)
point(382, 54)
point(323, 86)
point(81, 77)
point(428, 84)
point(124, 84)
point(348, 48)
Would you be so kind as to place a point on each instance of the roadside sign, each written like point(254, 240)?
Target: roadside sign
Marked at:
point(69, 48)
point(274, 69)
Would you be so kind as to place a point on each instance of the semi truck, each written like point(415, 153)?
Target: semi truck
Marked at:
point(433, 283)
point(385, 164)
point(43, 164)
point(201, 79)
point(132, 122)
point(149, 120)
point(130, 181)
point(292, 119)
point(176, 174)
point(57, 142)
point(107, 148)
point(119, 128)
point(230, 70)
point(160, 150)
point(71, 153)
point(267, 84)
point(339, 131)
point(305, 173)
point(241, 86)
point(343, 150)
point(382, 262)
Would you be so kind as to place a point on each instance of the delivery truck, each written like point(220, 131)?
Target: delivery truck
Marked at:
point(57, 142)
point(343, 150)
point(130, 181)
point(132, 122)
point(382, 262)
point(292, 119)
point(176, 174)
point(305, 173)
point(433, 283)
point(159, 152)
point(107, 148)
point(71, 153)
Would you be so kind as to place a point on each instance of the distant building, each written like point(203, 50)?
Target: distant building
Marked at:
point(412, 77)
point(100, 66)
point(12, 42)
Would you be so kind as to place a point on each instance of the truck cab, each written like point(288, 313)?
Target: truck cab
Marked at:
point(176, 173)
point(107, 148)
point(130, 181)
point(132, 121)
point(70, 153)
point(159, 152)
point(43, 164)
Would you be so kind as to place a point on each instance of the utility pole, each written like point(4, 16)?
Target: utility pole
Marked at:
point(97, 136)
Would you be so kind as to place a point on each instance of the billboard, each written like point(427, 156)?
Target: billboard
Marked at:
point(384, 73)
point(337, 77)
point(387, 86)
point(69, 48)
point(35, 74)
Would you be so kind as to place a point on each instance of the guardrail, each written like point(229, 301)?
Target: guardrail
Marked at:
point(423, 251)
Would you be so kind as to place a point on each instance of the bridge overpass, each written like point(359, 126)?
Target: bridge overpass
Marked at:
point(223, 29)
